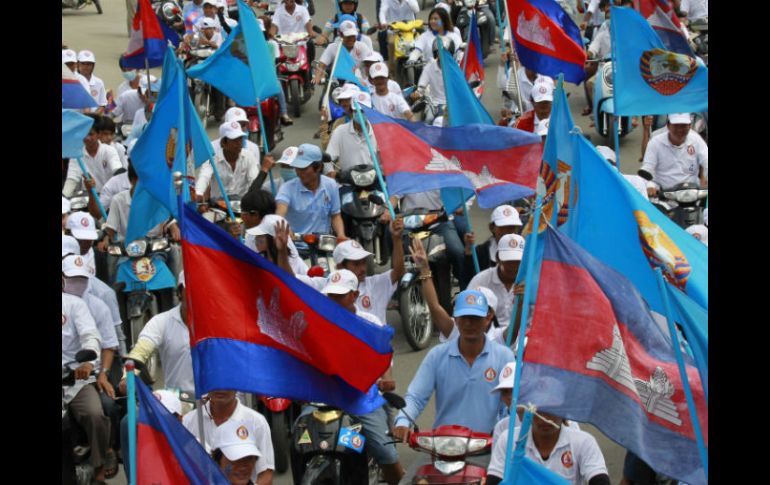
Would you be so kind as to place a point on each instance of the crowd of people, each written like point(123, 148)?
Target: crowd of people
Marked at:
point(470, 371)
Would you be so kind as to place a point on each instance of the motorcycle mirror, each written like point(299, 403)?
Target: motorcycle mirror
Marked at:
point(376, 199)
point(394, 400)
point(315, 271)
point(645, 174)
point(371, 30)
point(85, 355)
point(475, 84)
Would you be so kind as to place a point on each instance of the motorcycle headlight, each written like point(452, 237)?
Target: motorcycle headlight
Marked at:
point(327, 243)
point(450, 445)
point(607, 74)
point(413, 222)
point(363, 179)
point(159, 244)
point(425, 442)
point(292, 66)
point(476, 444)
point(686, 196)
point(136, 248)
point(235, 205)
point(290, 50)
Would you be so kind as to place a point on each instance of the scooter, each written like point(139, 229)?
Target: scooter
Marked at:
point(294, 70)
point(604, 107)
point(316, 249)
point(415, 315)
point(271, 113)
point(280, 414)
point(485, 19)
point(406, 35)
point(362, 207)
point(81, 4)
point(429, 109)
point(76, 451)
point(328, 447)
point(683, 203)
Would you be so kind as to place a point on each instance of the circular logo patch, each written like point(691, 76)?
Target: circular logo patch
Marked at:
point(566, 459)
point(94, 92)
point(513, 243)
point(507, 372)
point(84, 222)
point(470, 299)
point(235, 125)
point(324, 445)
point(336, 277)
point(356, 441)
point(144, 269)
point(507, 212)
point(367, 303)
point(690, 150)
point(355, 244)
point(78, 261)
point(490, 375)
point(242, 432)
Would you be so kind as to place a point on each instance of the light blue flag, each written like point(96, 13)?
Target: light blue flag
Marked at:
point(146, 212)
point(346, 69)
point(74, 127)
point(463, 107)
point(242, 68)
point(649, 79)
point(694, 320)
point(618, 226)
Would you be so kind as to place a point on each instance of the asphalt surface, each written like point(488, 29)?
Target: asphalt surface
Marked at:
point(106, 36)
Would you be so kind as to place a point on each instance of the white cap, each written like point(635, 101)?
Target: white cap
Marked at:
point(510, 248)
point(74, 265)
point(542, 127)
point(506, 215)
point(86, 56)
point(82, 226)
point(349, 90)
point(542, 90)
point(490, 295)
point(68, 55)
point(180, 279)
point(69, 245)
point(607, 153)
point(351, 250)
point(341, 282)
point(379, 69)
point(266, 227)
point(505, 381)
point(231, 130)
point(170, 400)
point(374, 56)
point(65, 205)
point(348, 28)
point(213, 3)
point(208, 23)
point(680, 118)
point(235, 439)
point(235, 114)
point(364, 98)
point(288, 155)
point(154, 83)
point(699, 232)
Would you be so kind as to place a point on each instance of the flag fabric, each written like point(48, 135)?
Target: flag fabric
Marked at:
point(617, 370)
point(166, 452)
point(73, 94)
point(473, 61)
point(74, 127)
point(618, 226)
point(242, 68)
point(148, 40)
point(244, 310)
point(346, 69)
point(662, 18)
point(694, 322)
point(650, 79)
point(546, 39)
point(463, 107)
point(498, 163)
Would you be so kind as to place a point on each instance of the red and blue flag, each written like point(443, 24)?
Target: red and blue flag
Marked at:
point(595, 355)
point(498, 163)
point(473, 63)
point(257, 329)
point(73, 94)
point(547, 40)
point(166, 452)
point(662, 18)
point(149, 37)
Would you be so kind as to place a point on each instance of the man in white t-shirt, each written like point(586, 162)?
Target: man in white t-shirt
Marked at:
point(291, 18)
point(133, 100)
point(367, 64)
point(358, 50)
point(70, 59)
point(390, 104)
point(347, 144)
point(86, 63)
point(502, 277)
point(101, 162)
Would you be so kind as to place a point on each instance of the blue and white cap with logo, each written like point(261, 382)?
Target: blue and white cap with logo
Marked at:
point(471, 303)
point(306, 155)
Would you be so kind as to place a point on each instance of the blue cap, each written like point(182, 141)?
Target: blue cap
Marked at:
point(471, 303)
point(306, 155)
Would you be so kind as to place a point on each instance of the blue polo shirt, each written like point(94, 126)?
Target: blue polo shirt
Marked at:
point(310, 211)
point(463, 392)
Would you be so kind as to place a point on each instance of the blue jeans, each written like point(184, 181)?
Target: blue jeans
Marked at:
point(455, 247)
point(282, 101)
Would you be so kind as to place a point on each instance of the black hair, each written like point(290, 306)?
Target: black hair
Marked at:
point(97, 121)
point(258, 200)
point(317, 166)
point(216, 455)
point(603, 4)
point(107, 124)
point(446, 20)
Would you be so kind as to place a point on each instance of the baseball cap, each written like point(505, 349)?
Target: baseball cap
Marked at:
point(510, 248)
point(542, 127)
point(348, 28)
point(180, 279)
point(506, 215)
point(65, 205)
point(74, 265)
point(235, 114)
point(348, 91)
point(374, 56)
point(69, 245)
point(154, 83)
point(235, 439)
point(86, 56)
point(471, 303)
point(231, 130)
point(351, 250)
point(700, 232)
point(542, 90)
point(379, 69)
point(491, 297)
point(266, 226)
point(208, 23)
point(679, 118)
point(607, 153)
point(505, 381)
point(68, 55)
point(341, 282)
point(82, 226)
point(210, 2)
point(170, 400)
point(306, 155)
point(364, 99)
point(288, 155)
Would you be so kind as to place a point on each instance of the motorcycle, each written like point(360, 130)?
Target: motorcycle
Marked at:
point(76, 450)
point(604, 107)
point(81, 4)
point(271, 112)
point(415, 315)
point(316, 249)
point(485, 19)
point(406, 34)
point(79, 201)
point(683, 203)
point(280, 414)
point(451, 448)
point(200, 91)
point(171, 13)
point(429, 109)
point(294, 70)
point(328, 447)
point(362, 207)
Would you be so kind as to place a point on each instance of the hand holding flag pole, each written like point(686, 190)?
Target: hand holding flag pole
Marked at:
point(92, 190)
point(362, 120)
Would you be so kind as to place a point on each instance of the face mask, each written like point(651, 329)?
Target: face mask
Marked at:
point(288, 174)
point(75, 286)
point(129, 75)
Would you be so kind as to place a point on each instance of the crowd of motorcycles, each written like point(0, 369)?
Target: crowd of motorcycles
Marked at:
point(317, 447)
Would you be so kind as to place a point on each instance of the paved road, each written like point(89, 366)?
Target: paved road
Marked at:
point(105, 35)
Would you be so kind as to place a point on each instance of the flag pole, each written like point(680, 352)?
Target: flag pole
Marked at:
point(521, 442)
point(514, 63)
point(92, 190)
point(362, 121)
point(264, 143)
point(149, 87)
point(329, 83)
point(131, 388)
point(616, 122)
point(222, 189)
point(683, 373)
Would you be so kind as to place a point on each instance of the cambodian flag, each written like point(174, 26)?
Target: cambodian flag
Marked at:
point(149, 36)
point(166, 452)
point(73, 94)
point(662, 18)
point(255, 328)
point(498, 163)
point(547, 40)
point(595, 355)
point(473, 64)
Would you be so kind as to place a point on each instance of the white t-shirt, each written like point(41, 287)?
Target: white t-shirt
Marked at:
point(359, 51)
point(104, 292)
point(671, 165)
point(121, 153)
point(601, 46)
point(375, 294)
point(114, 186)
point(393, 105)
point(78, 328)
point(350, 148)
point(576, 456)
point(597, 16)
point(235, 181)
point(255, 422)
point(100, 167)
point(126, 106)
point(638, 183)
point(432, 78)
point(117, 219)
point(96, 90)
point(171, 338)
point(695, 9)
point(395, 10)
point(430, 200)
point(425, 43)
point(105, 323)
point(293, 23)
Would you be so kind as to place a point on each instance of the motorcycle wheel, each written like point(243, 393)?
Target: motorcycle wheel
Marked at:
point(279, 434)
point(415, 317)
point(294, 98)
point(98, 7)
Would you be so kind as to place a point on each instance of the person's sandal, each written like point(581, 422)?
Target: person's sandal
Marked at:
point(110, 464)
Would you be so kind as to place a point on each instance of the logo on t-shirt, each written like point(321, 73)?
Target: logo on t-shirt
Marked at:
point(94, 92)
point(366, 302)
point(490, 374)
point(566, 459)
point(391, 107)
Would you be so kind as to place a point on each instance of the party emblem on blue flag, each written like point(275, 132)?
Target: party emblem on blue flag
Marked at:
point(667, 72)
point(662, 252)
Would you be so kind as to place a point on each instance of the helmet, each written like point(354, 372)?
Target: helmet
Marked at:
point(449, 45)
point(355, 2)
